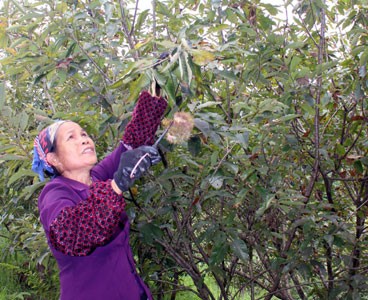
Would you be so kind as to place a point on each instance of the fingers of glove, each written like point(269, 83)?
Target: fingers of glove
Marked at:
point(125, 172)
point(148, 149)
point(155, 159)
point(154, 155)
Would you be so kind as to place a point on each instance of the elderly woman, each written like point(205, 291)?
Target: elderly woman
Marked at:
point(82, 207)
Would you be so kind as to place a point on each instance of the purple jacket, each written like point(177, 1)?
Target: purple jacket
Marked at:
point(109, 272)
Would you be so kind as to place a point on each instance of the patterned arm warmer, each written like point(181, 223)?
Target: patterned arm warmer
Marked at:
point(146, 118)
point(79, 229)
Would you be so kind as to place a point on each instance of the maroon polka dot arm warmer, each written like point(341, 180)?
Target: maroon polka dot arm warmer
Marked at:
point(146, 118)
point(79, 229)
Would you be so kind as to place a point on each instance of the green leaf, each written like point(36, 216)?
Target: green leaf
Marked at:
point(170, 90)
point(142, 17)
point(29, 191)
point(340, 150)
point(218, 28)
point(21, 174)
point(202, 57)
point(185, 68)
point(218, 254)
point(15, 2)
point(23, 122)
point(248, 30)
point(216, 182)
point(194, 145)
point(227, 75)
point(243, 138)
point(295, 63)
point(136, 86)
point(231, 15)
point(240, 249)
point(5, 157)
point(203, 126)
point(265, 205)
point(150, 232)
point(358, 166)
point(208, 104)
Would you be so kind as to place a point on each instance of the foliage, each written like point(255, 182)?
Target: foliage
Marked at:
point(269, 196)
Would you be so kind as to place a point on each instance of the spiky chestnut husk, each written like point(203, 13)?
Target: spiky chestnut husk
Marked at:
point(181, 129)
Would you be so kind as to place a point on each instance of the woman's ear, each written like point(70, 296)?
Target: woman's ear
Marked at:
point(52, 159)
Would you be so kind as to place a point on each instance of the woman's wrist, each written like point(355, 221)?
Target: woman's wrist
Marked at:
point(115, 187)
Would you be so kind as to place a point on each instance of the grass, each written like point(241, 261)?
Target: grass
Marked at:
point(210, 282)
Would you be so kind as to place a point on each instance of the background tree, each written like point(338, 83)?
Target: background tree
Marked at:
point(269, 196)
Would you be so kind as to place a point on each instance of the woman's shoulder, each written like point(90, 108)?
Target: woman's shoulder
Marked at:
point(53, 187)
point(62, 187)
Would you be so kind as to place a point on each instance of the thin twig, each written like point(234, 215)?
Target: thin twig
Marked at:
point(90, 58)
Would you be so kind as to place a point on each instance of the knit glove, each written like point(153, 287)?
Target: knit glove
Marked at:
point(133, 164)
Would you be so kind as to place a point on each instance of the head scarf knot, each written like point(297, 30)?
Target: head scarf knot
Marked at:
point(43, 144)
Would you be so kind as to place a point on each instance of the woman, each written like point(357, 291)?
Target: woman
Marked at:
point(82, 207)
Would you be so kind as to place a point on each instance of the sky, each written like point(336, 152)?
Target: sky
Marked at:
point(147, 4)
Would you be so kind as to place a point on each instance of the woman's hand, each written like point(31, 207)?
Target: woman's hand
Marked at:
point(133, 164)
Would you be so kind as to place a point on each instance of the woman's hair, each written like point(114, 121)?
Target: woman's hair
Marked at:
point(53, 150)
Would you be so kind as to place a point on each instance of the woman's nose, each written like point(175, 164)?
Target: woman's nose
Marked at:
point(85, 140)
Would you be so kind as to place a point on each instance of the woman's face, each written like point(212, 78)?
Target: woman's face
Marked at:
point(75, 150)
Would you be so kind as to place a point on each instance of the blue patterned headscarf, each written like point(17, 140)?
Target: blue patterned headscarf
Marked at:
point(43, 144)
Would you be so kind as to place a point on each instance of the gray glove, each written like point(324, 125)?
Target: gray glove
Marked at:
point(133, 164)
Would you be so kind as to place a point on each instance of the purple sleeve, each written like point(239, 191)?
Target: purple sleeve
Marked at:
point(79, 229)
point(146, 118)
point(106, 168)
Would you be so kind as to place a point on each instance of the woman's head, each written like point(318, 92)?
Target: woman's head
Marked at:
point(63, 148)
